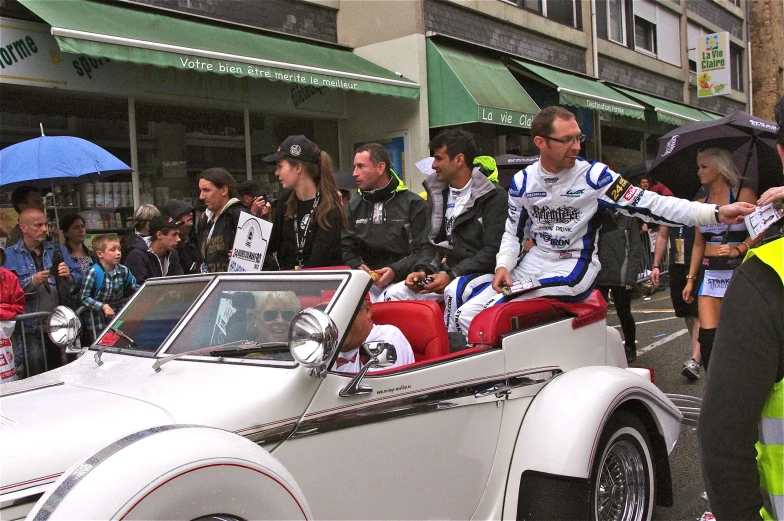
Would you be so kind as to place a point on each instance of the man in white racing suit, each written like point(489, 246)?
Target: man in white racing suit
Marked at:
point(563, 195)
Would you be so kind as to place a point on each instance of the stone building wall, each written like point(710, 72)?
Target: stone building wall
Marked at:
point(767, 55)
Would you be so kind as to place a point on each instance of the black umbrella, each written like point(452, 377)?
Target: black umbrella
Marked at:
point(509, 164)
point(635, 171)
point(752, 142)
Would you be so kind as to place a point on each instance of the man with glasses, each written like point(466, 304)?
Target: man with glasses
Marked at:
point(562, 195)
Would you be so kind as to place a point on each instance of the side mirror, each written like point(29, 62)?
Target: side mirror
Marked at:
point(313, 340)
point(382, 354)
point(64, 327)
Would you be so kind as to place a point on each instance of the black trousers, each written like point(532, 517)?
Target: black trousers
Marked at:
point(623, 306)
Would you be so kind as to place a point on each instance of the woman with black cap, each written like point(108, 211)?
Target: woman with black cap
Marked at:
point(307, 227)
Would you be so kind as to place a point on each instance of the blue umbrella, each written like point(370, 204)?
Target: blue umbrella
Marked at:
point(49, 160)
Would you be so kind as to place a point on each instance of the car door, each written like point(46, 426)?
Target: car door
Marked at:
point(420, 445)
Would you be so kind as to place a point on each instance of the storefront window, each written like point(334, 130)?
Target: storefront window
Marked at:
point(177, 143)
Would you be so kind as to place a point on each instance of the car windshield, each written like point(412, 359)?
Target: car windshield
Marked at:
point(250, 318)
point(147, 320)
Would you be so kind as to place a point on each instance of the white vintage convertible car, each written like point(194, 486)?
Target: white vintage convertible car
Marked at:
point(189, 407)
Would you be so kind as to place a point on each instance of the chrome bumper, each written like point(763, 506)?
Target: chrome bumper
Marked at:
point(689, 406)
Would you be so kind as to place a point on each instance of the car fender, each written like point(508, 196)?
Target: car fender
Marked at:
point(175, 472)
point(561, 429)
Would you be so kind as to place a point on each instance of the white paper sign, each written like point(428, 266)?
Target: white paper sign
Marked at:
point(250, 243)
point(425, 166)
point(762, 218)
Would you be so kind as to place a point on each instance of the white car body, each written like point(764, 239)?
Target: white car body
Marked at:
point(432, 440)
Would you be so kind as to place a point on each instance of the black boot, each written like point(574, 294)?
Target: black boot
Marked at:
point(631, 353)
point(706, 337)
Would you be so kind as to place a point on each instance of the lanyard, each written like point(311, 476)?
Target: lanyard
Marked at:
point(301, 243)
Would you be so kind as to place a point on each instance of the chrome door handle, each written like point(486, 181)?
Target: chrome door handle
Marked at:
point(499, 390)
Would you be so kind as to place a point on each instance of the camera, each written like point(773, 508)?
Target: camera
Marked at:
point(271, 200)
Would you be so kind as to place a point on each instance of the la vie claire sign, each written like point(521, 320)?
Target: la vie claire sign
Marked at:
point(505, 117)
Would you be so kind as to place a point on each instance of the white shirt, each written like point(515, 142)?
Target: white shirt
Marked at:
point(455, 204)
point(379, 333)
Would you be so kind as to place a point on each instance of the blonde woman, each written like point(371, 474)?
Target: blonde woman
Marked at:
point(274, 312)
point(718, 250)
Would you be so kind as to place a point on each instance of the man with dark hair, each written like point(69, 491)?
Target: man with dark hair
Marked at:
point(21, 198)
point(386, 223)
point(562, 195)
point(741, 428)
point(218, 190)
point(188, 248)
point(160, 259)
point(465, 220)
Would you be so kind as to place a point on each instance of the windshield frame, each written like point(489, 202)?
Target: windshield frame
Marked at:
point(158, 281)
point(342, 277)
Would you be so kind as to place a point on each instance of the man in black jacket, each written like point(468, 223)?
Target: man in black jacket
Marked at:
point(218, 190)
point(160, 259)
point(188, 249)
point(465, 221)
point(386, 223)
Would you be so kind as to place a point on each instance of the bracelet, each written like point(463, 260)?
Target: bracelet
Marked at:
point(746, 245)
point(655, 268)
point(737, 250)
point(691, 277)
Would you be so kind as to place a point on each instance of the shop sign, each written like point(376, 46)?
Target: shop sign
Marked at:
point(713, 65)
point(30, 55)
point(504, 117)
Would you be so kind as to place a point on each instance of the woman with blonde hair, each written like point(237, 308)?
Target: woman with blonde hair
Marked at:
point(274, 312)
point(306, 230)
point(718, 250)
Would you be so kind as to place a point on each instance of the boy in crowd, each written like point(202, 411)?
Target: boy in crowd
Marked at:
point(107, 282)
point(161, 258)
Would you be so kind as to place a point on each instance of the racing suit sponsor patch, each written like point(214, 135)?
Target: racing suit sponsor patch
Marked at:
point(630, 193)
point(617, 189)
point(535, 194)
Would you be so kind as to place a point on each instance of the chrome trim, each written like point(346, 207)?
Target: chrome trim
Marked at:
point(271, 434)
point(156, 46)
point(32, 498)
point(35, 388)
point(689, 406)
point(77, 474)
point(498, 390)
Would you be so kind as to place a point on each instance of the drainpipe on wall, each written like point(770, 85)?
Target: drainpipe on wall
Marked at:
point(749, 96)
point(597, 119)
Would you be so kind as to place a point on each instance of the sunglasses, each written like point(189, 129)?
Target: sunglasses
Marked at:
point(269, 316)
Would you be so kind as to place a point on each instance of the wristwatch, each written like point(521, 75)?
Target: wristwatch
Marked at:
point(716, 213)
point(692, 277)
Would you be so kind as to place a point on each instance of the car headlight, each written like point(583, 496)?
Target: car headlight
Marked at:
point(63, 326)
point(313, 338)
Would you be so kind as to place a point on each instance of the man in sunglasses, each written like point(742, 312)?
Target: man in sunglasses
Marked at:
point(562, 196)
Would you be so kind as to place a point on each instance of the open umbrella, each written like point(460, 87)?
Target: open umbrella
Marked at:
point(752, 142)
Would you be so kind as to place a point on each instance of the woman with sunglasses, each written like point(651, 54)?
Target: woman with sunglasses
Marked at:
point(274, 312)
point(306, 230)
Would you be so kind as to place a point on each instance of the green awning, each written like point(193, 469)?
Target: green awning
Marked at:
point(667, 111)
point(584, 92)
point(118, 32)
point(466, 88)
point(711, 115)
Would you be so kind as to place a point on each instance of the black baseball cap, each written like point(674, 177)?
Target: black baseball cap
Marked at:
point(176, 208)
point(296, 147)
point(250, 187)
point(161, 223)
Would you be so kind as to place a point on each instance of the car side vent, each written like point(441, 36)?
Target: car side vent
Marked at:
point(550, 497)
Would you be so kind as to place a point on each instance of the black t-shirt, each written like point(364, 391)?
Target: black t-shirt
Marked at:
point(321, 246)
point(687, 234)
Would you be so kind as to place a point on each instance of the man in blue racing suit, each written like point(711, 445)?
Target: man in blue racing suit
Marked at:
point(563, 195)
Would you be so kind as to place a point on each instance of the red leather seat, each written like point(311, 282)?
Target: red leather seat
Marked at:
point(488, 326)
point(422, 323)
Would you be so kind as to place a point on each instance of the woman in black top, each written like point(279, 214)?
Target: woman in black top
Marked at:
point(307, 227)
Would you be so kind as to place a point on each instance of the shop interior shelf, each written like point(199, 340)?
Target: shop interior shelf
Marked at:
point(107, 208)
point(106, 230)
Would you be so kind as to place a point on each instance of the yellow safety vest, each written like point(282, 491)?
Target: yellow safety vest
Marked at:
point(770, 447)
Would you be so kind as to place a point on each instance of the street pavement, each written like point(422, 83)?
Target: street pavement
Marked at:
point(664, 344)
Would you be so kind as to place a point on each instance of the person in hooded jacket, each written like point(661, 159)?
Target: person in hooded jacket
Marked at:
point(386, 223)
point(160, 259)
point(218, 224)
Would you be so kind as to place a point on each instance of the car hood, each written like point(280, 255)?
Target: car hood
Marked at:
point(50, 421)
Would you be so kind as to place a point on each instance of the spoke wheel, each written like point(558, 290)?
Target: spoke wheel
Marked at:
point(623, 479)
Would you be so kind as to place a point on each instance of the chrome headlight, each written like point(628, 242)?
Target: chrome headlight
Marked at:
point(313, 338)
point(63, 326)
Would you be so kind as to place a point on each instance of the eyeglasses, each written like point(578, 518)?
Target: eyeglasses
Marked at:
point(271, 315)
point(580, 138)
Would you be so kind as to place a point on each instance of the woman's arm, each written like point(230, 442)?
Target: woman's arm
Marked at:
point(697, 252)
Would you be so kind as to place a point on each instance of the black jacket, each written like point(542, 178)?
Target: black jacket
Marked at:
point(144, 264)
point(190, 256)
point(215, 253)
point(476, 233)
point(321, 248)
point(400, 233)
point(620, 250)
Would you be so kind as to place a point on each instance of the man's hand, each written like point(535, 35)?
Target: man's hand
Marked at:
point(655, 277)
point(501, 277)
point(771, 195)
point(385, 277)
point(413, 279)
point(62, 270)
point(440, 281)
point(733, 213)
point(40, 277)
point(260, 208)
point(108, 312)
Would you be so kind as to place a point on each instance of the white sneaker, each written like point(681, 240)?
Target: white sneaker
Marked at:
point(691, 369)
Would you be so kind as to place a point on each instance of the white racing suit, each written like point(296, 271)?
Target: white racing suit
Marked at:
point(564, 214)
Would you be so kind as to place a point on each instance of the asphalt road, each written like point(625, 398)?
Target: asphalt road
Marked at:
point(664, 344)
